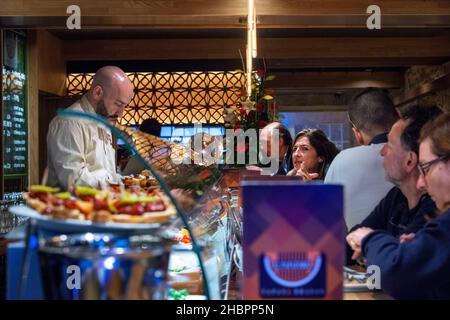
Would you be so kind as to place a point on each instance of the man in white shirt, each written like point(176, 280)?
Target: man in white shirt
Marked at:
point(360, 169)
point(80, 151)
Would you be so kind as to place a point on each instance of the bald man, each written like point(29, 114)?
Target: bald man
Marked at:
point(80, 151)
point(281, 153)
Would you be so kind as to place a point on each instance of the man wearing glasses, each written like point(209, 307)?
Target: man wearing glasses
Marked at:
point(360, 169)
point(404, 210)
point(425, 167)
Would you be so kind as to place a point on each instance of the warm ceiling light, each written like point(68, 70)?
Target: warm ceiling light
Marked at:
point(251, 43)
point(254, 46)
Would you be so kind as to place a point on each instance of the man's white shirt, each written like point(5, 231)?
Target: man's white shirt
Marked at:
point(360, 170)
point(80, 151)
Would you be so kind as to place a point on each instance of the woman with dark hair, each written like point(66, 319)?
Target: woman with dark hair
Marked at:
point(312, 154)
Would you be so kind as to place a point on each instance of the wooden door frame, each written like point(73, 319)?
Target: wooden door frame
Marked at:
point(1, 114)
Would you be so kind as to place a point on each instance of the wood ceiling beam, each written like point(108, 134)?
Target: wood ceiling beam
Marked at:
point(381, 62)
point(337, 80)
point(223, 7)
point(313, 52)
point(224, 22)
point(355, 47)
point(225, 13)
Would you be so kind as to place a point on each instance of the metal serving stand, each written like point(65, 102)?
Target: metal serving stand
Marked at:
point(205, 222)
point(9, 221)
point(232, 289)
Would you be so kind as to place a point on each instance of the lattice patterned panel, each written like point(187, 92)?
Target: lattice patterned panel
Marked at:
point(173, 97)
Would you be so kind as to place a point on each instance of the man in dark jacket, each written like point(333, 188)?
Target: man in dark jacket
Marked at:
point(412, 269)
point(404, 210)
point(417, 266)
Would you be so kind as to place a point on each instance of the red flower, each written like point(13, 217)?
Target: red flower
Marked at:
point(263, 105)
point(261, 73)
point(268, 91)
point(261, 124)
point(259, 107)
point(251, 115)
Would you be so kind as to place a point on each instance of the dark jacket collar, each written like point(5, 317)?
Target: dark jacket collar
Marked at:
point(379, 138)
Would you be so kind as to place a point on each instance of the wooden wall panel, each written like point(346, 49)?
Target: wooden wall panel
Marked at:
point(440, 84)
point(51, 62)
point(33, 107)
point(1, 114)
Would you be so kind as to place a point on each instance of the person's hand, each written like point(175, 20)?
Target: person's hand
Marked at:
point(302, 172)
point(406, 237)
point(355, 238)
point(253, 168)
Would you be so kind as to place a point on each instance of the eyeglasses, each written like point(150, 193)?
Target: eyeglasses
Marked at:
point(425, 167)
point(351, 122)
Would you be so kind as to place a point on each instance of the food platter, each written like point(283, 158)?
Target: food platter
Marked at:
point(75, 226)
point(92, 210)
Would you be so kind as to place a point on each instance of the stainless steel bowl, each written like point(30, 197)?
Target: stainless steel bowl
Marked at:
point(104, 266)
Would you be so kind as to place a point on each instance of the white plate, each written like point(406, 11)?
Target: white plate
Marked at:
point(75, 226)
point(355, 287)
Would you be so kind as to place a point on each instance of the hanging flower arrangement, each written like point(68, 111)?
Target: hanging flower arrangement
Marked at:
point(254, 113)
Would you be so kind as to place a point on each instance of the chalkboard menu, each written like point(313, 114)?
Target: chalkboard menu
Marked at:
point(15, 126)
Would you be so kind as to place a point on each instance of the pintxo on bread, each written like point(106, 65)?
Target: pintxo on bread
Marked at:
point(127, 205)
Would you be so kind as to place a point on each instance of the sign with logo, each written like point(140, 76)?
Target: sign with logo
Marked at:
point(293, 239)
point(292, 275)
